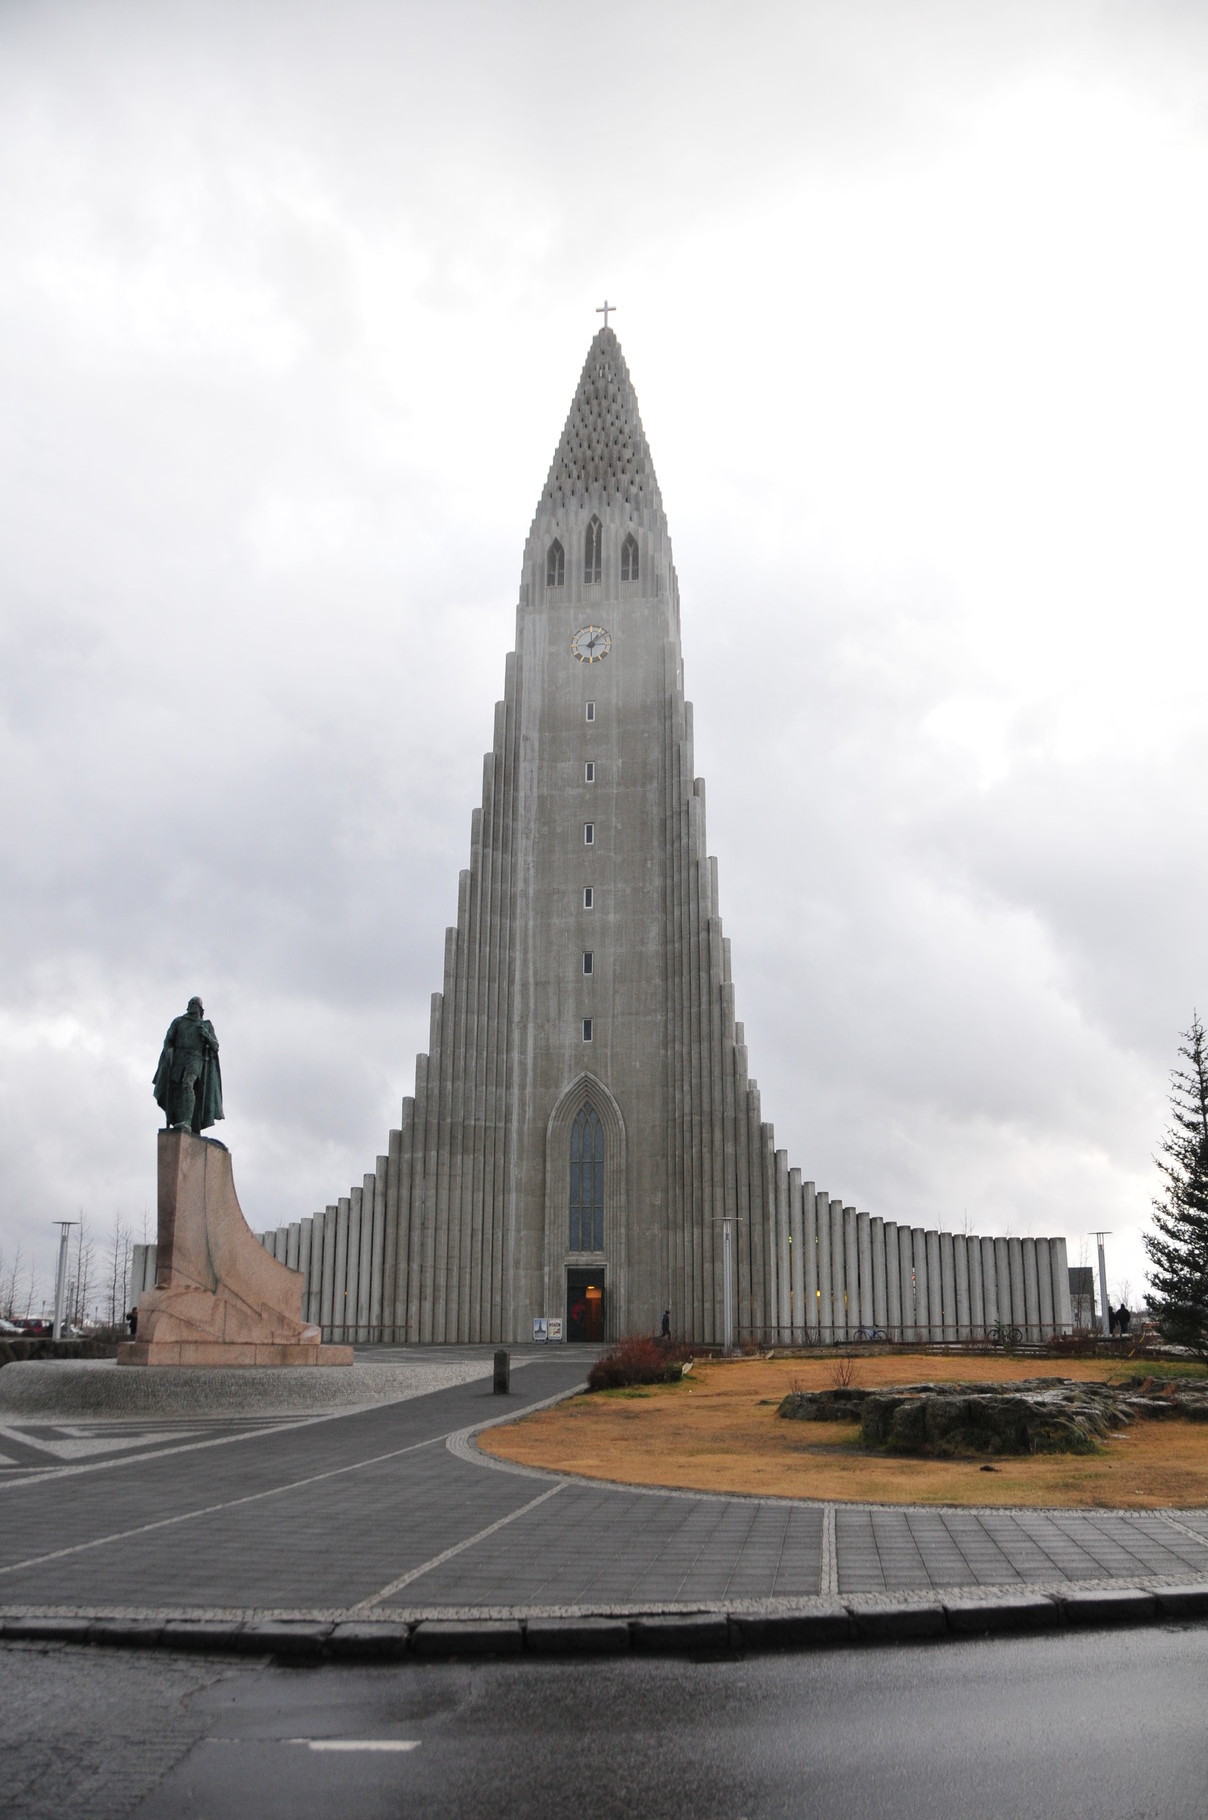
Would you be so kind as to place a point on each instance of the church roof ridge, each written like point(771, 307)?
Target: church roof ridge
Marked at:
point(603, 458)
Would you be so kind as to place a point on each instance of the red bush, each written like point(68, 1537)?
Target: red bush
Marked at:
point(635, 1360)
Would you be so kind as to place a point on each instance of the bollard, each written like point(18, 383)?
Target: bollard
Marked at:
point(503, 1373)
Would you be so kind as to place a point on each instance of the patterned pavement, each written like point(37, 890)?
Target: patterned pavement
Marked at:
point(390, 1511)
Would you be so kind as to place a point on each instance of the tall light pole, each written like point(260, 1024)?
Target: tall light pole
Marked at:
point(727, 1283)
point(1104, 1314)
point(61, 1280)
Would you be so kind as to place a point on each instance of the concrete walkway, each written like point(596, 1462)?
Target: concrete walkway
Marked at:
point(384, 1530)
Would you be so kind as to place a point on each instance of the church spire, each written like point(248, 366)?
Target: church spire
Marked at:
point(603, 460)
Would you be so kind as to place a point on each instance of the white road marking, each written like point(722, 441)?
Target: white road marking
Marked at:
point(386, 1592)
point(829, 1568)
point(356, 1743)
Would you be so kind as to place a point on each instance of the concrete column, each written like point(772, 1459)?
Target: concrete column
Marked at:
point(922, 1284)
point(893, 1282)
point(977, 1301)
point(327, 1301)
point(315, 1311)
point(784, 1309)
point(935, 1288)
point(767, 1138)
point(293, 1239)
point(906, 1280)
point(352, 1273)
point(960, 1267)
point(989, 1258)
point(826, 1314)
point(432, 1262)
point(365, 1266)
point(377, 1264)
point(1044, 1272)
point(436, 1176)
point(948, 1285)
point(809, 1210)
point(876, 1244)
point(1002, 1266)
point(1031, 1291)
point(339, 1306)
point(1018, 1300)
point(864, 1256)
point(838, 1271)
point(851, 1272)
point(1063, 1314)
point(797, 1255)
point(304, 1231)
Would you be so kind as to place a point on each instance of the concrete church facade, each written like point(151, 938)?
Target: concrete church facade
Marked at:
point(584, 1140)
point(583, 1120)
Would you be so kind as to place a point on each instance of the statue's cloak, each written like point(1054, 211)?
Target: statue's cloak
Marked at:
point(209, 1086)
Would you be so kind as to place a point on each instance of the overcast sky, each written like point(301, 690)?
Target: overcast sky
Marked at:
point(293, 301)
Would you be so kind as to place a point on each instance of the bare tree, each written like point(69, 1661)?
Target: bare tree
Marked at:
point(18, 1288)
point(118, 1270)
point(82, 1275)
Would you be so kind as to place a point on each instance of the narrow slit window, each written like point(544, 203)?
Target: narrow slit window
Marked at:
point(589, 961)
point(629, 558)
point(587, 1180)
point(589, 771)
point(589, 897)
point(555, 565)
point(589, 710)
point(591, 550)
point(587, 1030)
point(589, 834)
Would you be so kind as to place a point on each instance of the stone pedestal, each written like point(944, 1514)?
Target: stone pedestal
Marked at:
point(219, 1297)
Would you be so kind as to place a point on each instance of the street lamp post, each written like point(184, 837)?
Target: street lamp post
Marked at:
point(61, 1280)
point(1104, 1312)
point(727, 1283)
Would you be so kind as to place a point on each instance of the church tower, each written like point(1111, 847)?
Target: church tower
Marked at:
point(584, 1143)
point(583, 1122)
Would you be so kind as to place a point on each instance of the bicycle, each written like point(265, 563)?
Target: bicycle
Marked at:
point(1003, 1335)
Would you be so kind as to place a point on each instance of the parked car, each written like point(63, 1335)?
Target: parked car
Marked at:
point(10, 1327)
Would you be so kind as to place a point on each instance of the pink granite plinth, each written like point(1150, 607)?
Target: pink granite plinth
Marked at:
point(228, 1352)
point(220, 1298)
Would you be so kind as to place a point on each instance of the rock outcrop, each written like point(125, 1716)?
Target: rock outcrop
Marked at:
point(1031, 1415)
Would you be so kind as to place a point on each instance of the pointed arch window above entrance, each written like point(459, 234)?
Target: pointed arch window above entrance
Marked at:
point(591, 550)
point(629, 558)
point(555, 565)
point(587, 1181)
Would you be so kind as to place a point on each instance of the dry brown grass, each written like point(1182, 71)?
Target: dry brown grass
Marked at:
point(719, 1431)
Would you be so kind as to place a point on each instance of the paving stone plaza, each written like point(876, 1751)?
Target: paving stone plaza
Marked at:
point(385, 1527)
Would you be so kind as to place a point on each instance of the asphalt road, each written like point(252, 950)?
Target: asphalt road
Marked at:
point(1108, 1724)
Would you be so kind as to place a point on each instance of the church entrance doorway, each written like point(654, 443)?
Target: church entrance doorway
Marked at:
point(584, 1304)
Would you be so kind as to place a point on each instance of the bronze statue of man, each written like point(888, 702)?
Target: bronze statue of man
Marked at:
point(188, 1083)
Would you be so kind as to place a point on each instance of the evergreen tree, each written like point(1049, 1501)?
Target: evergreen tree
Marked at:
point(1178, 1249)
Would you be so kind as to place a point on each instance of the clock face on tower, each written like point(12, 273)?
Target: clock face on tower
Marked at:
point(591, 643)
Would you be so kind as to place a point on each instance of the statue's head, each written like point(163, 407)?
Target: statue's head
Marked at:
point(195, 1005)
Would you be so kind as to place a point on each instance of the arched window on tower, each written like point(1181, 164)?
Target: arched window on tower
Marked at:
point(587, 1181)
point(591, 551)
point(629, 558)
point(555, 565)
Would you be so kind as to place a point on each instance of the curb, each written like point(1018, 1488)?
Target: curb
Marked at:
point(823, 1624)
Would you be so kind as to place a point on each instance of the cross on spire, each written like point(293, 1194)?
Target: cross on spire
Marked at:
point(603, 309)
